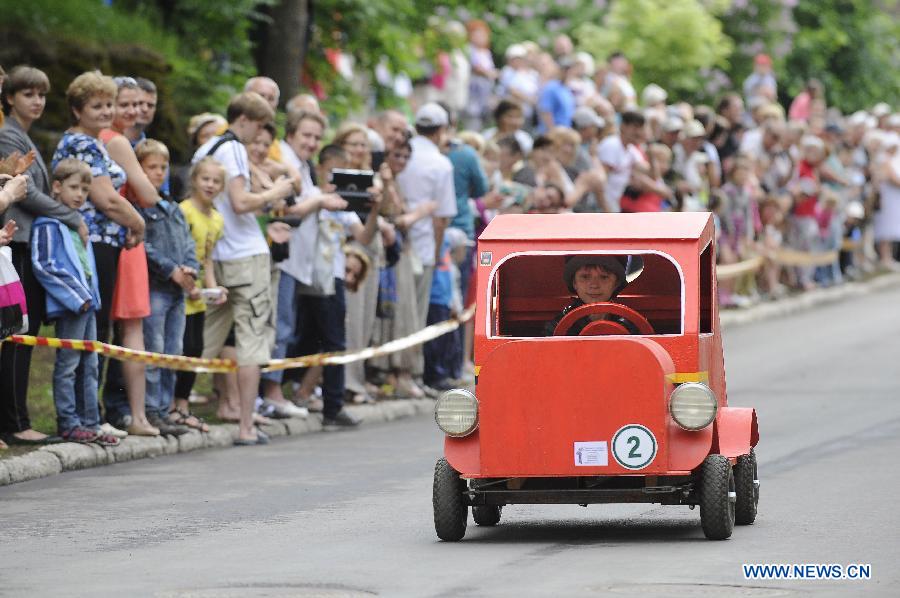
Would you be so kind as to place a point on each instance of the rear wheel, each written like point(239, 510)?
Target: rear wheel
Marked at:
point(487, 515)
point(746, 485)
point(717, 498)
point(447, 498)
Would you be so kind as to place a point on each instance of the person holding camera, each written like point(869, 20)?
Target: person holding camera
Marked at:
point(311, 301)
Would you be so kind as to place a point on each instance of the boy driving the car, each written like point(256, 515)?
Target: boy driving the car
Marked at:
point(592, 279)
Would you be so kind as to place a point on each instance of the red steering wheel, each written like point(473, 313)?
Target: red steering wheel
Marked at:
point(601, 327)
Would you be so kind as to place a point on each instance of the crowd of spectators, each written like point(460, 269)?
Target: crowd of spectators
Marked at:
point(251, 253)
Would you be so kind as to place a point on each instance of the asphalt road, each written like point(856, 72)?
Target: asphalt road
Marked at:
point(349, 514)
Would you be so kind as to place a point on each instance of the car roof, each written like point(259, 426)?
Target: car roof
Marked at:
point(669, 226)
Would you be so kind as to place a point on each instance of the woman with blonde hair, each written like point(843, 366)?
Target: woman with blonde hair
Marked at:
point(354, 139)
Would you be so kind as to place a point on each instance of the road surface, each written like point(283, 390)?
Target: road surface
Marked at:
point(349, 514)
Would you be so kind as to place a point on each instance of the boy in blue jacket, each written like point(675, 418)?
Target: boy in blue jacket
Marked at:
point(64, 265)
point(173, 265)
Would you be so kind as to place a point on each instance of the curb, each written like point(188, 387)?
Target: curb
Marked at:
point(69, 456)
point(805, 301)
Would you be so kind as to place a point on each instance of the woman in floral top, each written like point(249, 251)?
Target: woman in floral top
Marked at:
point(112, 221)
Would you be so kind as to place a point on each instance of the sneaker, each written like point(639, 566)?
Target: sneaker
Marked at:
point(342, 420)
point(267, 409)
point(79, 435)
point(165, 428)
point(285, 409)
point(110, 430)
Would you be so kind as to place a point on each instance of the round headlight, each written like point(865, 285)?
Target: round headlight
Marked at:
point(693, 406)
point(456, 412)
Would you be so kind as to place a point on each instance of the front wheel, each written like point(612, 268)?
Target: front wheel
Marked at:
point(486, 515)
point(746, 485)
point(447, 498)
point(717, 498)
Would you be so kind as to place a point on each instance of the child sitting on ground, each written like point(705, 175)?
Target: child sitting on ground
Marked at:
point(173, 267)
point(64, 265)
point(206, 226)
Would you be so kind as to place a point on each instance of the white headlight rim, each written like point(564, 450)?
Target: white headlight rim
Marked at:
point(456, 412)
point(693, 406)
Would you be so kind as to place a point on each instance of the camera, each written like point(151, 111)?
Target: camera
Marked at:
point(352, 186)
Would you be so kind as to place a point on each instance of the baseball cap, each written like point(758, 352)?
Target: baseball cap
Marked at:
point(673, 124)
point(694, 128)
point(585, 117)
point(456, 237)
point(431, 115)
point(881, 109)
point(653, 94)
point(516, 51)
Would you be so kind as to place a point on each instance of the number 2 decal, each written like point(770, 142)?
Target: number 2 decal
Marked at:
point(633, 454)
point(634, 446)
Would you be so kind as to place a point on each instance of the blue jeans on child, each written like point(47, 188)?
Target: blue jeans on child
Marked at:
point(163, 333)
point(75, 375)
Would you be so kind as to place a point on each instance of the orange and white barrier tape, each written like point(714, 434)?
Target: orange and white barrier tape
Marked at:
point(783, 257)
point(197, 364)
point(171, 362)
point(344, 357)
point(729, 271)
point(792, 257)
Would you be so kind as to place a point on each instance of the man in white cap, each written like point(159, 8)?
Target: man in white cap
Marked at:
point(427, 185)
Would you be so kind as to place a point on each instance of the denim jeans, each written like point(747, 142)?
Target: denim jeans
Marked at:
point(286, 323)
point(75, 375)
point(163, 333)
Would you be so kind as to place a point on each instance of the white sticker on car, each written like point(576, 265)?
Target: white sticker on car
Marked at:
point(634, 446)
point(591, 454)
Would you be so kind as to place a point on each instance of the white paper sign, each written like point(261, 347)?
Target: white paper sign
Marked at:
point(591, 454)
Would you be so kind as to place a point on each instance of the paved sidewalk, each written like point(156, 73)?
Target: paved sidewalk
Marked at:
point(57, 458)
point(69, 456)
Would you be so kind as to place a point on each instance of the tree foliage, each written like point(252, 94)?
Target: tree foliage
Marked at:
point(849, 45)
point(669, 42)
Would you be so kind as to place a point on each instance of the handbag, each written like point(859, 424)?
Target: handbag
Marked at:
point(13, 309)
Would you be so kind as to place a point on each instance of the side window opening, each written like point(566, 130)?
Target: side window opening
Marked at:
point(707, 271)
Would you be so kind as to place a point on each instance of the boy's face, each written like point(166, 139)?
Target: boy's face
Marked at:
point(594, 283)
point(258, 149)
point(155, 167)
point(72, 192)
point(325, 168)
point(245, 129)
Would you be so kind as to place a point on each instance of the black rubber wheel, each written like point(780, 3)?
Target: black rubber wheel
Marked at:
point(746, 487)
point(717, 497)
point(450, 510)
point(487, 515)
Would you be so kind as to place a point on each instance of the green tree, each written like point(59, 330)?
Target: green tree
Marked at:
point(669, 42)
point(849, 45)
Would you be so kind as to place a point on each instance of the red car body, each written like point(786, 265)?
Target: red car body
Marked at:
point(540, 399)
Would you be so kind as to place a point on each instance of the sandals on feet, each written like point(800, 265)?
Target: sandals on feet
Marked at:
point(104, 439)
point(186, 418)
point(80, 435)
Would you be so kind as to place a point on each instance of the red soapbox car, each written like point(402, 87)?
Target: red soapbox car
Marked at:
point(614, 414)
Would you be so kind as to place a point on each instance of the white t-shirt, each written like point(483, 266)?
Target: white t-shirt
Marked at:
point(242, 236)
point(618, 162)
point(427, 177)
